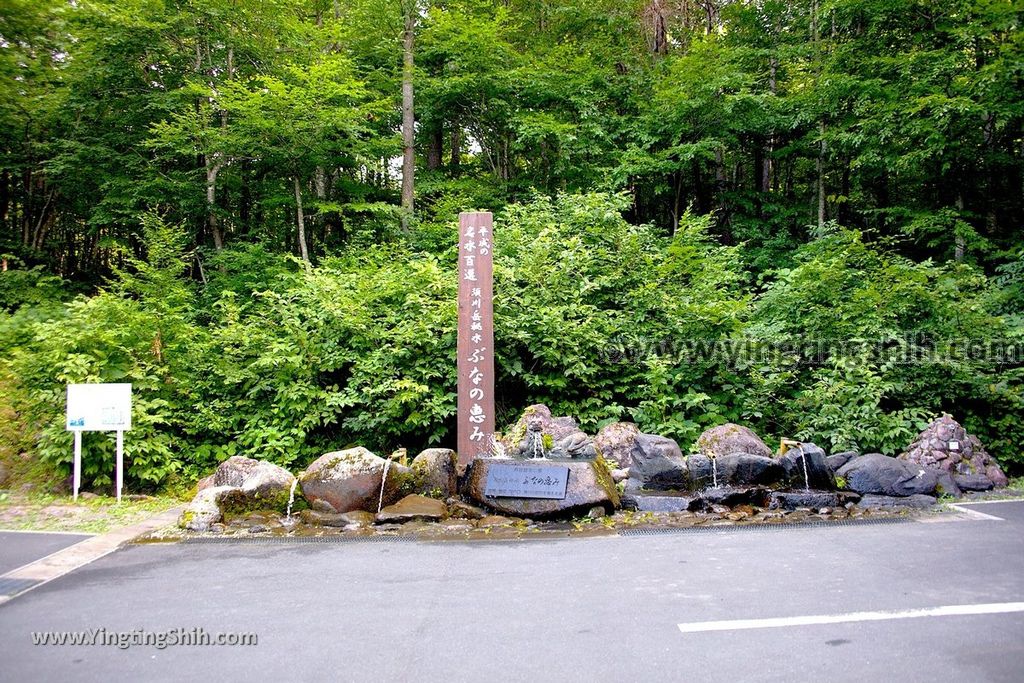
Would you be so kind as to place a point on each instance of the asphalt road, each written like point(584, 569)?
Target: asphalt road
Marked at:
point(569, 610)
point(18, 548)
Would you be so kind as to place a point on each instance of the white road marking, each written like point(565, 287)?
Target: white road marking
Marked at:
point(885, 615)
point(974, 514)
point(994, 502)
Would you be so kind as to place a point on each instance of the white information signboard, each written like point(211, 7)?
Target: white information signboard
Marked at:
point(99, 408)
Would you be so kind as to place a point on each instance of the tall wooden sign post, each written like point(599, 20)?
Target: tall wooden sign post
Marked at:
point(476, 337)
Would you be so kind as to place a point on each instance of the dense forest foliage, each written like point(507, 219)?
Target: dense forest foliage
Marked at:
point(803, 216)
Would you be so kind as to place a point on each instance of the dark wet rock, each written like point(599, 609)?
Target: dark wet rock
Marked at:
point(662, 503)
point(946, 445)
point(734, 469)
point(879, 474)
point(918, 501)
point(658, 464)
point(340, 520)
point(351, 480)
point(257, 529)
point(413, 507)
point(433, 473)
point(837, 460)
point(791, 500)
point(973, 482)
point(321, 505)
point(731, 438)
point(463, 510)
point(807, 467)
point(732, 496)
point(589, 484)
point(946, 485)
point(357, 519)
point(848, 497)
point(245, 521)
point(539, 434)
point(596, 512)
point(615, 443)
point(743, 469)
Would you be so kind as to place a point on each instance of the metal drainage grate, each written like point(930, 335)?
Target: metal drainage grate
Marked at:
point(276, 540)
point(660, 531)
point(11, 587)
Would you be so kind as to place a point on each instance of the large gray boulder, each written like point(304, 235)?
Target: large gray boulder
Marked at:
point(204, 510)
point(661, 502)
point(615, 443)
point(731, 438)
point(260, 484)
point(918, 500)
point(880, 474)
point(947, 446)
point(837, 460)
point(433, 473)
point(589, 484)
point(343, 481)
point(734, 469)
point(807, 467)
point(539, 434)
point(658, 464)
point(239, 485)
point(972, 482)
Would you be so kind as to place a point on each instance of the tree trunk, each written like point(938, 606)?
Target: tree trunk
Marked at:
point(44, 222)
point(435, 146)
point(960, 246)
point(721, 182)
point(303, 250)
point(677, 202)
point(5, 198)
point(408, 118)
point(212, 169)
point(456, 142)
point(820, 164)
point(655, 16)
point(28, 182)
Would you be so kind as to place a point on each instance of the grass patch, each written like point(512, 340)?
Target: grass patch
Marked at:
point(46, 512)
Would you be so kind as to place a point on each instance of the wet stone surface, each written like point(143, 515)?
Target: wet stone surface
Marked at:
point(802, 508)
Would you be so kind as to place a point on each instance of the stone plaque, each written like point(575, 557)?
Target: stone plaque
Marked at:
point(526, 481)
point(476, 338)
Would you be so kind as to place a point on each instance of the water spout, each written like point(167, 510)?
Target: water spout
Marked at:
point(807, 480)
point(714, 473)
point(538, 445)
point(291, 497)
point(383, 481)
